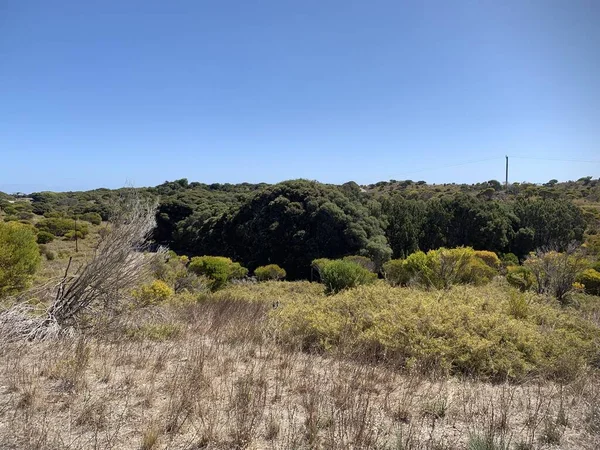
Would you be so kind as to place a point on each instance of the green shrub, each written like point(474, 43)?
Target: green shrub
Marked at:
point(152, 294)
point(218, 269)
point(520, 277)
point(450, 266)
point(418, 267)
point(556, 273)
point(25, 215)
point(172, 269)
point(269, 272)
point(362, 261)
point(396, 272)
point(443, 268)
point(338, 275)
point(490, 258)
point(509, 259)
point(44, 237)
point(92, 217)
point(480, 331)
point(72, 235)
point(49, 254)
point(478, 273)
point(318, 265)
point(19, 257)
point(517, 305)
point(590, 279)
point(60, 226)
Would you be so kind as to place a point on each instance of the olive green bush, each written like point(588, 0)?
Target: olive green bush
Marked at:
point(44, 237)
point(555, 272)
point(488, 331)
point(338, 275)
point(442, 268)
point(363, 261)
point(269, 272)
point(319, 264)
point(19, 257)
point(396, 272)
point(509, 259)
point(154, 293)
point(490, 258)
point(92, 217)
point(218, 269)
point(520, 277)
point(590, 278)
point(61, 226)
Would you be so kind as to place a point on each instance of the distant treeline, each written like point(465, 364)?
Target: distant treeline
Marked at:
point(295, 222)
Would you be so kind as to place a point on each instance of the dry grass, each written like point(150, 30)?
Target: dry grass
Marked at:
point(221, 382)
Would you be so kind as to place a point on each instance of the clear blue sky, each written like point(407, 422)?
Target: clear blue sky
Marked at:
point(100, 94)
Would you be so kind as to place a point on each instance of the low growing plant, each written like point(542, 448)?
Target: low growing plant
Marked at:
point(269, 272)
point(338, 275)
point(218, 269)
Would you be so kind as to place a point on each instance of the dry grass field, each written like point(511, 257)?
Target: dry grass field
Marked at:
point(211, 375)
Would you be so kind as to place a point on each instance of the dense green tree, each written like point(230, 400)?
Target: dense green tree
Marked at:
point(549, 223)
point(19, 256)
point(406, 224)
point(294, 222)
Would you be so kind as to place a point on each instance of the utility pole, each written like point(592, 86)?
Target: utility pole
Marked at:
point(506, 181)
point(76, 237)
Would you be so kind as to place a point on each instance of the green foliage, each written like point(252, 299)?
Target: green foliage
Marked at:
point(44, 237)
point(72, 235)
point(173, 270)
point(218, 269)
point(490, 258)
point(547, 222)
point(294, 222)
point(61, 226)
point(92, 217)
point(441, 268)
point(45, 251)
point(396, 272)
point(517, 305)
point(362, 261)
point(155, 293)
point(483, 331)
point(520, 277)
point(590, 278)
point(338, 275)
point(406, 228)
point(555, 273)
point(269, 272)
point(19, 257)
point(319, 264)
point(509, 259)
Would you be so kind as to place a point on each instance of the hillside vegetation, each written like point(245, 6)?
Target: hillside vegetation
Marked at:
point(301, 315)
point(294, 222)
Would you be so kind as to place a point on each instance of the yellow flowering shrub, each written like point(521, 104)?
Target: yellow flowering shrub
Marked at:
point(154, 293)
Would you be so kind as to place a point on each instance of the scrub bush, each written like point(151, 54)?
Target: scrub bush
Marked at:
point(590, 279)
point(19, 257)
point(269, 272)
point(488, 331)
point(338, 275)
point(154, 293)
point(44, 237)
point(218, 269)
